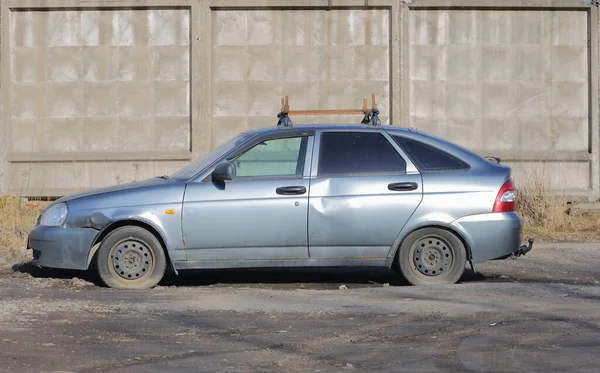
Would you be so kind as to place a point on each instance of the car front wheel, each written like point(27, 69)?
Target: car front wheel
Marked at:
point(131, 258)
point(432, 256)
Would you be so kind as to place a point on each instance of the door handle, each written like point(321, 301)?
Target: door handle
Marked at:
point(403, 186)
point(291, 190)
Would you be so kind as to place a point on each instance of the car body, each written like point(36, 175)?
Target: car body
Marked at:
point(305, 196)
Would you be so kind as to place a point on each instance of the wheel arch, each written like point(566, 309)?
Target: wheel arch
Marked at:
point(447, 228)
point(127, 223)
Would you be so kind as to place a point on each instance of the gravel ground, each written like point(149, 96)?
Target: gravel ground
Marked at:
point(540, 313)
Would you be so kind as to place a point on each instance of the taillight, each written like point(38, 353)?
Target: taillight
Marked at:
point(506, 198)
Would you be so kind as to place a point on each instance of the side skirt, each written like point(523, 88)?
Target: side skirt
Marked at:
point(283, 263)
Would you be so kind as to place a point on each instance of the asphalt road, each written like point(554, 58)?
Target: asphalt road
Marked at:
point(535, 314)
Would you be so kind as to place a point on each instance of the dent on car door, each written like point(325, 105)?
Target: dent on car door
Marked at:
point(261, 214)
point(361, 195)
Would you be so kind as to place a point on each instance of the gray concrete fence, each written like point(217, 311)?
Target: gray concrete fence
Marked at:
point(104, 92)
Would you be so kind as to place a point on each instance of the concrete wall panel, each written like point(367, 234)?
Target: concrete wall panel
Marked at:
point(499, 67)
point(510, 82)
point(101, 81)
point(321, 59)
point(86, 74)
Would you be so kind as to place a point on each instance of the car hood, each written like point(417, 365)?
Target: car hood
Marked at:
point(116, 188)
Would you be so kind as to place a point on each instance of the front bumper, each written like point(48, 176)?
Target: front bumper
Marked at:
point(66, 248)
point(491, 236)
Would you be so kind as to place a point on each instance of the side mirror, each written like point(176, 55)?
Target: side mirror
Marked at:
point(223, 171)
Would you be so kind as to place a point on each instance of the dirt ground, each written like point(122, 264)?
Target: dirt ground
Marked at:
point(540, 313)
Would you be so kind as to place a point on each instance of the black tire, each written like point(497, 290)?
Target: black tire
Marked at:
point(131, 258)
point(431, 256)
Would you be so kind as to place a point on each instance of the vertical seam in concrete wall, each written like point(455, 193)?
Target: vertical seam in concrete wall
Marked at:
point(395, 65)
point(5, 66)
point(480, 84)
point(404, 83)
point(199, 32)
point(207, 38)
point(191, 62)
point(551, 107)
point(2, 128)
point(594, 63)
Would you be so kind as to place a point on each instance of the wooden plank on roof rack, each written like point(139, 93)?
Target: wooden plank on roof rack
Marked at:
point(325, 112)
point(285, 107)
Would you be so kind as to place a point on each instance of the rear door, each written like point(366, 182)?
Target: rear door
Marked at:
point(363, 191)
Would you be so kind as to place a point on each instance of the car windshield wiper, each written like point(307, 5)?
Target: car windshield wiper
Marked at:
point(163, 177)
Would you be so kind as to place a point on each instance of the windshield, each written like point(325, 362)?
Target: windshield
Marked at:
point(201, 163)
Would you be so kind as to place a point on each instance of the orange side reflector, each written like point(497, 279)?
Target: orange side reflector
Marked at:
point(170, 212)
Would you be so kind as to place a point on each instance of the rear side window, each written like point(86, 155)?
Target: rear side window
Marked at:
point(428, 158)
point(344, 153)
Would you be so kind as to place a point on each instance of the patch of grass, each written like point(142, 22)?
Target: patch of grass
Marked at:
point(16, 220)
point(548, 217)
point(580, 228)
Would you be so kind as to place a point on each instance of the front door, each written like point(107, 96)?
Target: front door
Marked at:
point(361, 195)
point(259, 215)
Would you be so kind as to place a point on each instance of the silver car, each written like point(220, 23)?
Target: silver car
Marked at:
point(295, 196)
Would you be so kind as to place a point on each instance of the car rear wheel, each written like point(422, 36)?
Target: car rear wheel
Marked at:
point(432, 256)
point(131, 258)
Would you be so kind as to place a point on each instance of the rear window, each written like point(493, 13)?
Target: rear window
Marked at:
point(428, 158)
point(344, 153)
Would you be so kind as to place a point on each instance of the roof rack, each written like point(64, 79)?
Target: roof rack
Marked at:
point(370, 116)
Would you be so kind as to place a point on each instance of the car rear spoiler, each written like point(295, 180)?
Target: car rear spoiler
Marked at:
point(493, 159)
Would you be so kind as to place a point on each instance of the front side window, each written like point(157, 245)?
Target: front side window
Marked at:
point(273, 158)
point(347, 153)
point(428, 158)
point(200, 164)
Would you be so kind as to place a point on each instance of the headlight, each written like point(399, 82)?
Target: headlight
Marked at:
point(55, 216)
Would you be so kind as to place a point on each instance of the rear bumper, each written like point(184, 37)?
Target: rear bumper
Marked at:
point(491, 236)
point(66, 248)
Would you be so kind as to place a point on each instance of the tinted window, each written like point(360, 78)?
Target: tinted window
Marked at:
point(273, 158)
point(358, 153)
point(429, 158)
